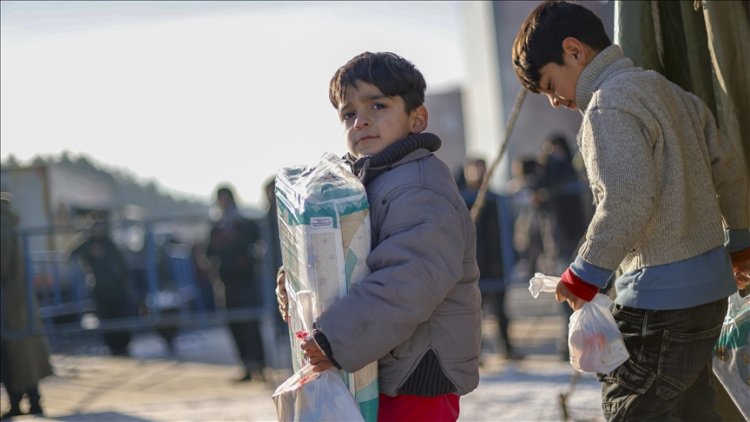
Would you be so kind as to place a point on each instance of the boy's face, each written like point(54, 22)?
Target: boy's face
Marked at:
point(373, 121)
point(558, 82)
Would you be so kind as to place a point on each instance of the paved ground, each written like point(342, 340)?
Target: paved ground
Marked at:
point(197, 383)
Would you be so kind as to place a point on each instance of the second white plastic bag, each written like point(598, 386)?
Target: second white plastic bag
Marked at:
point(321, 396)
point(594, 342)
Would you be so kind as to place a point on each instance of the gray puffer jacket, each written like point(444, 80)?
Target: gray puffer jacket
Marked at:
point(418, 312)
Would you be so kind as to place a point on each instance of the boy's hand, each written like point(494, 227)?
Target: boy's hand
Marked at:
point(741, 268)
point(563, 294)
point(315, 355)
point(281, 297)
point(574, 290)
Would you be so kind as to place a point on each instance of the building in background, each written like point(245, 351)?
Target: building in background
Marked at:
point(446, 120)
point(55, 200)
point(53, 195)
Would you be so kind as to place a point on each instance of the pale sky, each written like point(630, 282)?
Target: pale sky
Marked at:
point(192, 94)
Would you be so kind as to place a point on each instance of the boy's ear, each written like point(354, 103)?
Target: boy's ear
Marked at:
point(577, 50)
point(418, 119)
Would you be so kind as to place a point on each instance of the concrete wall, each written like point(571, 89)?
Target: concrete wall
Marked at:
point(446, 121)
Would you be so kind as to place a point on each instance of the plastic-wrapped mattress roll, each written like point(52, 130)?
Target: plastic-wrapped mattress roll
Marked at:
point(324, 231)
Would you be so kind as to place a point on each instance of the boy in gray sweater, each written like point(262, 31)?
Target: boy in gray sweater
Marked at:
point(667, 189)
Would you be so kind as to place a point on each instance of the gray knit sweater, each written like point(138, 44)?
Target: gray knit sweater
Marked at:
point(661, 176)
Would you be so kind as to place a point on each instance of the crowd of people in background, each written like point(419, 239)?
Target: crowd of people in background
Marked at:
point(552, 212)
point(222, 272)
point(534, 225)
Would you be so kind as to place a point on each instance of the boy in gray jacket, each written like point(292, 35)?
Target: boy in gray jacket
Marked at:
point(418, 312)
point(666, 188)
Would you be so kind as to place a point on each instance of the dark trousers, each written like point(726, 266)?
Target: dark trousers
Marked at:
point(249, 344)
point(113, 304)
point(14, 395)
point(503, 322)
point(246, 334)
point(15, 398)
point(668, 374)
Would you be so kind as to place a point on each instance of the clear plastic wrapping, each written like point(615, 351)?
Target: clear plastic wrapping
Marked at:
point(324, 231)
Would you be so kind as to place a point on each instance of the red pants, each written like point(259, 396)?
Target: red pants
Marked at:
point(406, 408)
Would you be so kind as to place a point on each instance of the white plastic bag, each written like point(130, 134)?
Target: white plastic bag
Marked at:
point(315, 396)
point(542, 283)
point(594, 342)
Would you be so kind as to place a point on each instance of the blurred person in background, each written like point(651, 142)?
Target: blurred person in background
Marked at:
point(234, 247)
point(527, 238)
point(107, 272)
point(492, 274)
point(24, 360)
point(558, 193)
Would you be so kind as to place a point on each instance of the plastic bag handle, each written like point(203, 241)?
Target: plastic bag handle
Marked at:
point(543, 283)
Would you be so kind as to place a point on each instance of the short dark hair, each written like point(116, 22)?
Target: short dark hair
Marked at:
point(539, 41)
point(392, 74)
point(225, 190)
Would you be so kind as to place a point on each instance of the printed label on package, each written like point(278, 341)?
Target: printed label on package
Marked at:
point(321, 223)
